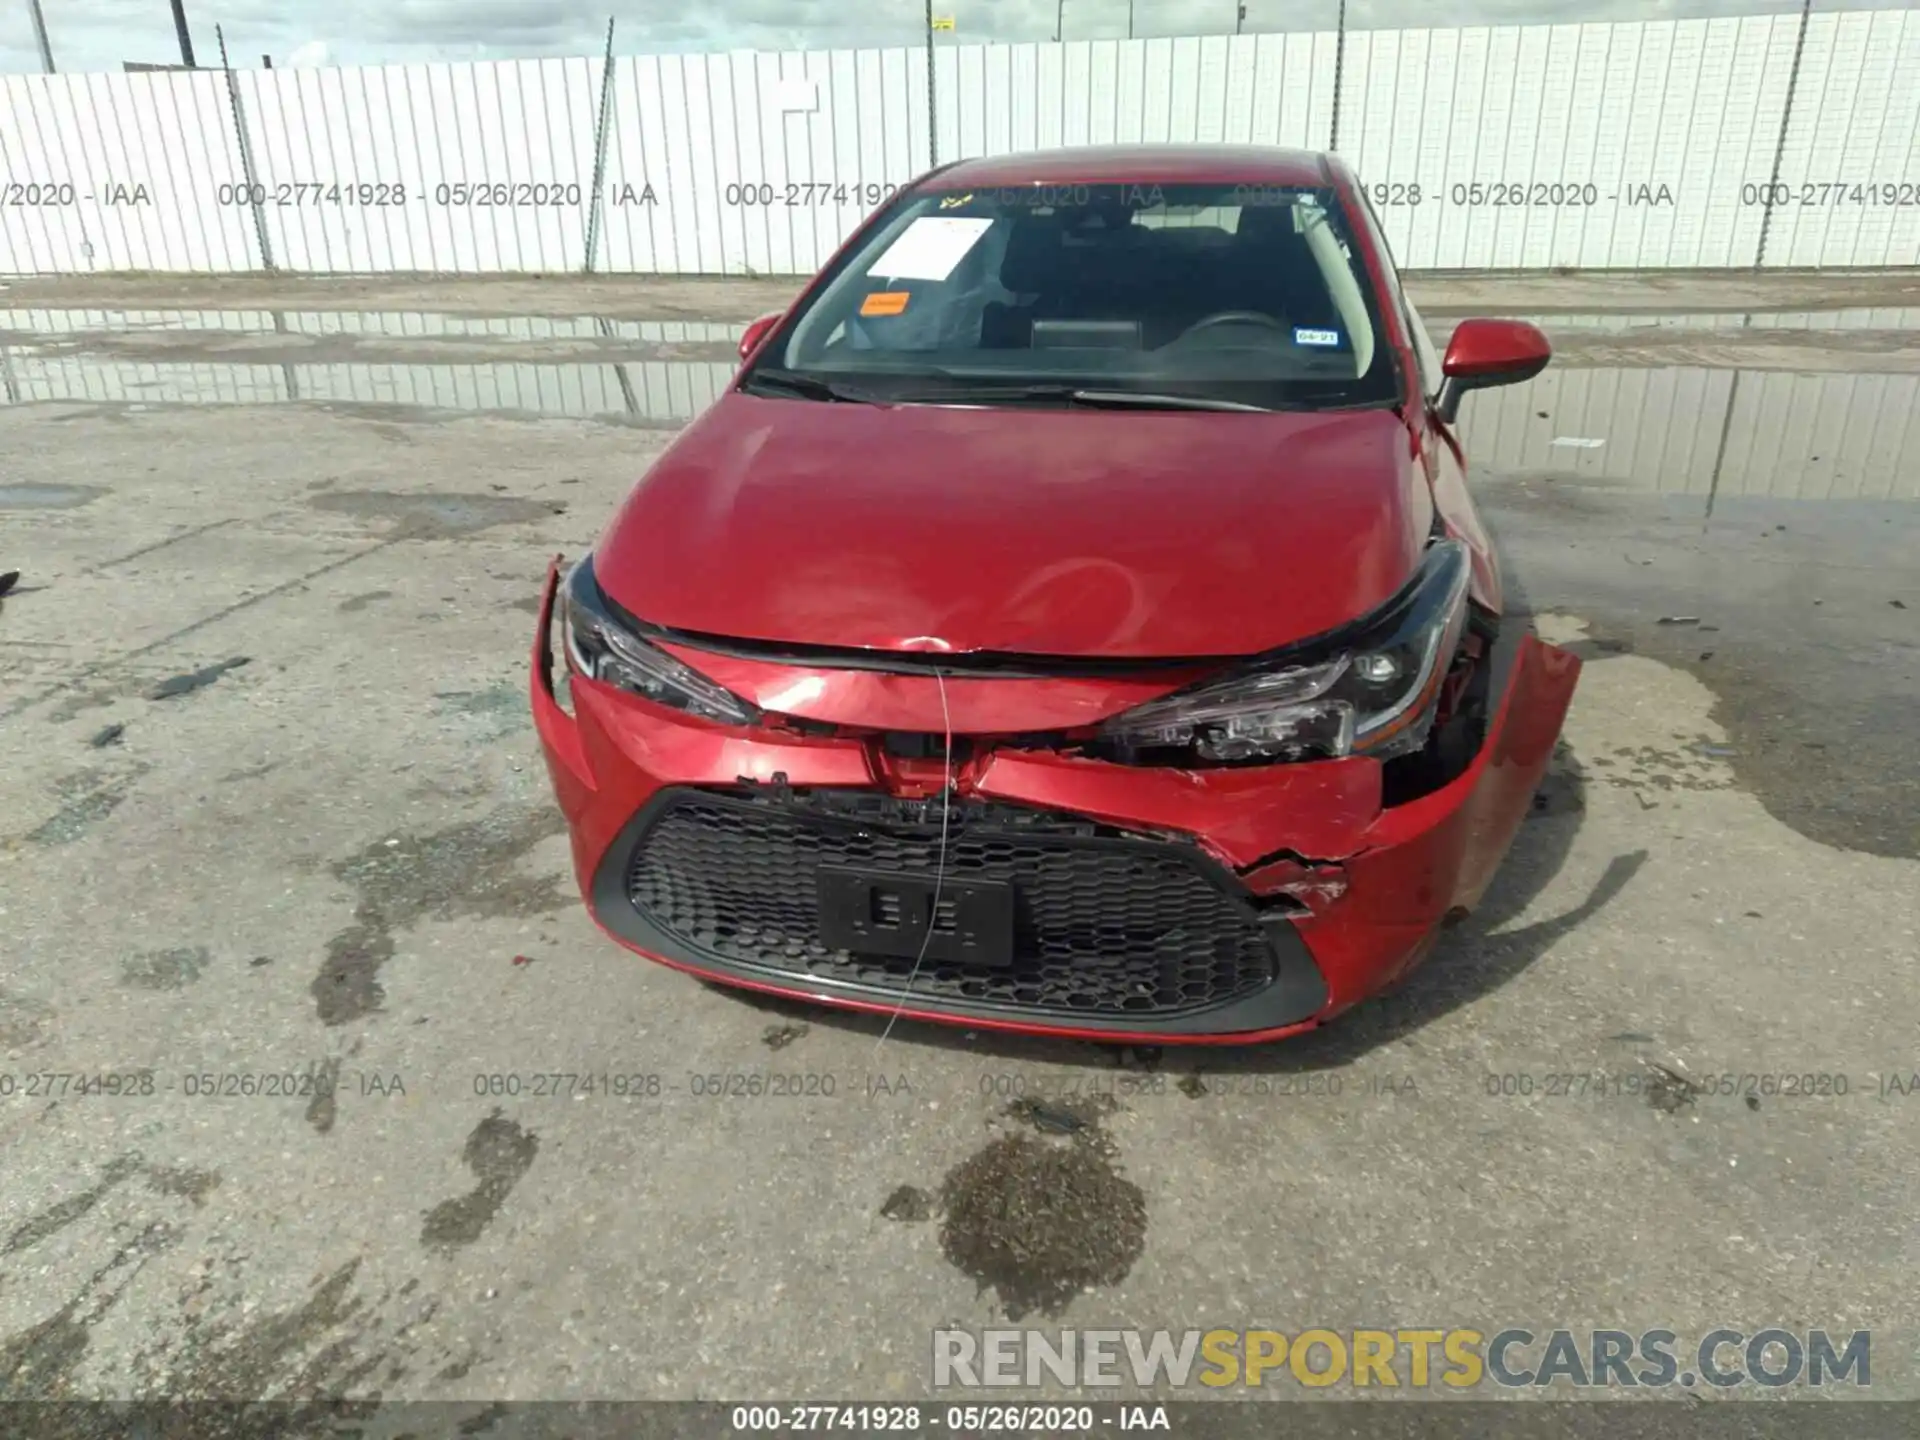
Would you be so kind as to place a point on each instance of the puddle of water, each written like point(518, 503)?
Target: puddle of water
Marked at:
point(1711, 433)
point(1674, 430)
point(395, 323)
point(47, 497)
point(1859, 319)
point(660, 392)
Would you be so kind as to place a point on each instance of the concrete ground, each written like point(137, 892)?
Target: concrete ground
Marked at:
point(274, 817)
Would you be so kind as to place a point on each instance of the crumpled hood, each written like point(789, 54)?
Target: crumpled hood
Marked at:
point(1100, 533)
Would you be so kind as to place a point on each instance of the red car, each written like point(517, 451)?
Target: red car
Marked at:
point(1073, 619)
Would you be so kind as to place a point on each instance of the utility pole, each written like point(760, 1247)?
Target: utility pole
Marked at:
point(40, 34)
point(180, 28)
point(1239, 19)
point(1059, 15)
point(1129, 19)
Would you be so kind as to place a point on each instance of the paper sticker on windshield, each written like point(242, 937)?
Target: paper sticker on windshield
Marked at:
point(930, 248)
point(1304, 336)
point(885, 302)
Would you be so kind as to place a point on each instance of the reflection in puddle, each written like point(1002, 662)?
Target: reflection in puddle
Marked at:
point(1693, 430)
point(658, 372)
point(408, 324)
point(1705, 432)
point(663, 392)
point(1895, 319)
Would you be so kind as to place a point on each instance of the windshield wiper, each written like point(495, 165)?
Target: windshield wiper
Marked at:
point(808, 387)
point(1133, 399)
point(1077, 395)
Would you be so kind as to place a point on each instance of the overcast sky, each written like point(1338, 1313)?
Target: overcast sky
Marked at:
point(100, 34)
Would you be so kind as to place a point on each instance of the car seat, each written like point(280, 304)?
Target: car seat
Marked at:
point(1273, 270)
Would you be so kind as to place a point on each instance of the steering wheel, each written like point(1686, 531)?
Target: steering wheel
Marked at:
point(1233, 317)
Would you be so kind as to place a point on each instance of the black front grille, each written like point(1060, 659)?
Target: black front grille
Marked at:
point(1106, 925)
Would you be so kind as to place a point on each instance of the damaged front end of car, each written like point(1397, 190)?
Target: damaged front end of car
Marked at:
point(1188, 849)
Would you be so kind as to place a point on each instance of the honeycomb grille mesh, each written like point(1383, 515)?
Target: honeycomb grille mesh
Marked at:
point(1105, 926)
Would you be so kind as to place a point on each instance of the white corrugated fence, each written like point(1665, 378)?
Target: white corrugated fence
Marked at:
point(1759, 140)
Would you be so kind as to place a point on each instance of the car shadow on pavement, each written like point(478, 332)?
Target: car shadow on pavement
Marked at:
point(1472, 960)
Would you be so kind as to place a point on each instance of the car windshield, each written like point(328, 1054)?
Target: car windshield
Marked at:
point(1218, 294)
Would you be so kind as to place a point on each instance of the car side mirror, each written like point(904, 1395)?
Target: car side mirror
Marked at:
point(758, 331)
point(1486, 353)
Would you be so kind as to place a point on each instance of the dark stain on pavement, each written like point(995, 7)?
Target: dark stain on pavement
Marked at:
point(908, 1203)
point(42, 1361)
point(174, 686)
point(1788, 628)
point(23, 1021)
point(281, 1353)
point(165, 969)
point(1840, 779)
point(1668, 1091)
point(466, 869)
point(88, 797)
point(1040, 1218)
point(360, 602)
point(432, 517)
point(498, 1152)
point(209, 1348)
point(38, 1363)
point(58, 1216)
point(321, 1110)
point(191, 1185)
point(778, 1037)
point(348, 985)
point(483, 1423)
point(1070, 1116)
point(253, 772)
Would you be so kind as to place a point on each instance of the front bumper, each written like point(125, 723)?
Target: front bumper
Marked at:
point(1157, 906)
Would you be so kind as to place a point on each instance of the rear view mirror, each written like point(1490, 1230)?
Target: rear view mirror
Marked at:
point(1486, 353)
point(758, 331)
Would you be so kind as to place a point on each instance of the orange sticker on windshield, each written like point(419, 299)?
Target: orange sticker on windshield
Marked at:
point(885, 302)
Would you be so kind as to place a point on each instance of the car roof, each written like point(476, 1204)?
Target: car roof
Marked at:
point(1142, 164)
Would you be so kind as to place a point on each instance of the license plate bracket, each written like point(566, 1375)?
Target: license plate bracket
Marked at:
point(877, 913)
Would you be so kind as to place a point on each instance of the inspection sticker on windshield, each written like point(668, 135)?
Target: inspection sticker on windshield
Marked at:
point(885, 302)
point(1304, 336)
point(930, 248)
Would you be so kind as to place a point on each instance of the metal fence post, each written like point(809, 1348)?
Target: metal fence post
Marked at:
point(600, 151)
point(1780, 149)
point(933, 103)
point(1339, 69)
point(254, 193)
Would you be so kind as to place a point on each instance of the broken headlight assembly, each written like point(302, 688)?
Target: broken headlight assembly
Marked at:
point(1372, 689)
point(602, 646)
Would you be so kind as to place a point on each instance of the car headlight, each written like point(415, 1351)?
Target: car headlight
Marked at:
point(602, 647)
point(1369, 690)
